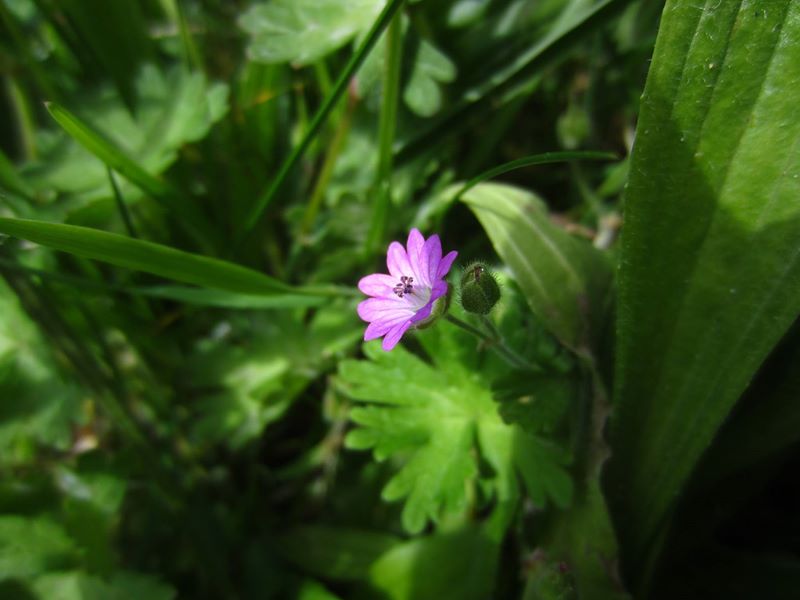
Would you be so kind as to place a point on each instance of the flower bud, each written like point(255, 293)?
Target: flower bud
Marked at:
point(479, 289)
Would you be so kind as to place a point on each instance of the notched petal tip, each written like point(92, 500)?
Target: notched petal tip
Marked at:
point(446, 263)
point(397, 260)
point(431, 256)
point(395, 335)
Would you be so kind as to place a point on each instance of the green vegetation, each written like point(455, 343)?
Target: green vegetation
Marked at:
point(190, 193)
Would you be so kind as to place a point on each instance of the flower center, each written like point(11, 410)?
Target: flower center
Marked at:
point(406, 286)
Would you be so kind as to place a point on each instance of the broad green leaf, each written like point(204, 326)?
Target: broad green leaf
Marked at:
point(111, 156)
point(335, 552)
point(144, 256)
point(536, 402)
point(90, 510)
point(564, 279)
point(437, 417)
point(243, 387)
point(173, 108)
point(719, 572)
point(766, 421)
point(464, 12)
point(40, 408)
point(431, 68)
point(122, 585)
point(312, 590)
point(709, 275)
point(29, 547)
point(428, 69)
point(303, 31)
point(458, 564)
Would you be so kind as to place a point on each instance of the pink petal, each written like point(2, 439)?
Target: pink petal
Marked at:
point(445, 264)
point(439, 289)
point(423, 313)
point(397, 260)
point(415, 245)
point(380, 328)
point(378, 284)
point(432, 256)
point(394, 335)
point(381, 309)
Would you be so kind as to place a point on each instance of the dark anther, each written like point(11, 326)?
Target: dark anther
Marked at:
point(406, 286)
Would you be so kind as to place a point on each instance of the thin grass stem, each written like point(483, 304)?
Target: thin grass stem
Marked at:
point(386, 135)
point(121, 206)
point(322, 114)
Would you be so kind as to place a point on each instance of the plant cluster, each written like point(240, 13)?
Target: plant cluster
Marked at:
point(399, 299)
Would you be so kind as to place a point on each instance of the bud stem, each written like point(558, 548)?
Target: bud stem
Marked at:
point(494, 340)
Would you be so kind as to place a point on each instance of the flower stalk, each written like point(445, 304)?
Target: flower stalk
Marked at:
point(494, 340)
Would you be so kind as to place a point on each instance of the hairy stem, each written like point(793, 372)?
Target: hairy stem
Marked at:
point(495, 342)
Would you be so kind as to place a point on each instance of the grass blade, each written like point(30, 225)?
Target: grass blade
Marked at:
point(563, 36)
point(529, 161)
point(148, 257)
point(116, 160)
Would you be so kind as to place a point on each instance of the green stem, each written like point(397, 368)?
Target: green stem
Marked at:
point(534, 159)
point(467, 327)
point(23, 115)
point(13, 181)
point(192, 54)
point(388, 125)
point(322, 114)
point(121, 206)
point(334, 150)
point(23, 46)
point(502, 346)
point(496, 343)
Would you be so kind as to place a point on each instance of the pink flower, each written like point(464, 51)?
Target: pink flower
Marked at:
point(406, 295)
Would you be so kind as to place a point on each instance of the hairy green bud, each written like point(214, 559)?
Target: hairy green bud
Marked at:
point(479, 289)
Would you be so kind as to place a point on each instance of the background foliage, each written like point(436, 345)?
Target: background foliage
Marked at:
point(189, 191)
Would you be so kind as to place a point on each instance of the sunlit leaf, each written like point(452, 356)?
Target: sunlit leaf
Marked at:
point(459, 564)
point(436, 416)
point(430, 69)
point(32, 546)
point(564, 279)
point(336, 552)
point(241, 388)
point(302, 31)
point(40, 407)
point(173, 109)
point(122, 585)
point(709, 275)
